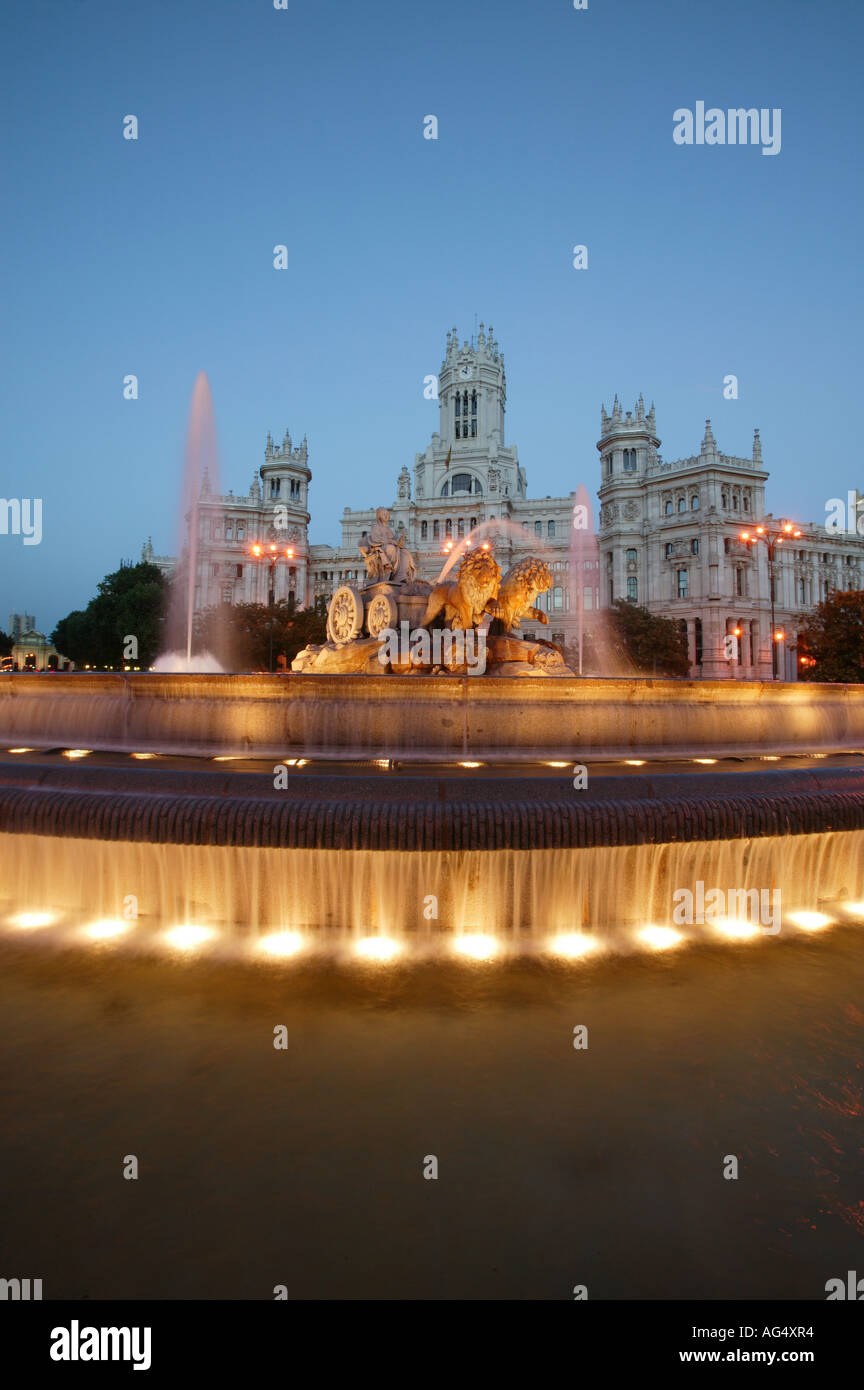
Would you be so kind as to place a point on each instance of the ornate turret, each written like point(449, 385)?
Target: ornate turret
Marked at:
point(757, 447)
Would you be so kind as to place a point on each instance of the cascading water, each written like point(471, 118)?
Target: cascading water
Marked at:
point(201, 474)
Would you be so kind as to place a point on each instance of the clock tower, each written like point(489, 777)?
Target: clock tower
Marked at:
point(468, 453)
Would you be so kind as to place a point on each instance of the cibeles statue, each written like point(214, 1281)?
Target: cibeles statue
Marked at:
point(387, 558)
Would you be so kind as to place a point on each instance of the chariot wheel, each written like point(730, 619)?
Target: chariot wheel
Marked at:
point(382, 612)
point(345, 615)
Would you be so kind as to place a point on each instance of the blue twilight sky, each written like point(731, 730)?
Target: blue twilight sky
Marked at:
point(304, 126)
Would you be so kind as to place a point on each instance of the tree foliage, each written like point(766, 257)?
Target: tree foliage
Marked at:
point(641, 642)
point(831, 639)
point(239, 635)
point(129, 603)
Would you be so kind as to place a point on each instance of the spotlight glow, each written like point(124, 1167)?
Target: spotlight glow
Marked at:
point(854, 909)
point(634, 762)
point(660, 938)
point(736, 927)
point(77, 752)
point(709, 762)
point(187, 938)
point(572, 944)
point(101, 931)
point(770, 758)
point(377, 948)
point(470, 764)
point(476, 946)
point(27, 921)
point(283, 943)
point(810, 921)
point(142, 756)
point(21, 750)
point(557, 764)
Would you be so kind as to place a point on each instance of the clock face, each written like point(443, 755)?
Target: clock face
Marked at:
point(465, 371)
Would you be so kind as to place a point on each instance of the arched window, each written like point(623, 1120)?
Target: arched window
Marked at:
point(630, 555)
point(550, 529)
point(724, 499)
point(694, 546)
point(632, 588)
point(445, 491)
point(694, 503)
point(461, 482)
point(472, 523)
point(436, 529)
point(460, 526)
point(424, 528)
point(478, 486)
point(668, 509)
point(448, 526)
point(629, 460)
point(473, 414)
point(682, 504)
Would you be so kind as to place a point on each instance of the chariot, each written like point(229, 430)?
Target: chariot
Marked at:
point(369, 611)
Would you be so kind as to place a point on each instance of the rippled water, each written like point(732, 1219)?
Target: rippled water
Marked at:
point(557, 1166)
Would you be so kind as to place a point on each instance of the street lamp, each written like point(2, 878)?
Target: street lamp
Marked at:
point(270, 556)
point(786, 530)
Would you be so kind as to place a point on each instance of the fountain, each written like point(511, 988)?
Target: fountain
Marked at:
point(201, 471)
point(414, 678)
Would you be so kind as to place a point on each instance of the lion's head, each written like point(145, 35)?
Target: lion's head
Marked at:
point(479, 577)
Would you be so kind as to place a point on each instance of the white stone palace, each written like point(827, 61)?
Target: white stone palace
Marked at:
point(667, 534)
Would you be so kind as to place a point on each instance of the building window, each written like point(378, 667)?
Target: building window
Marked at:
point(632, 588)
point(445, 491)
point(727, 546)
point(473, 414)
point(226, 593)
point(461, 483)
point(229, 531)
point(694, 503)
point(538, 528)
point(724, 499)
point(630, 556)
point(682, 504)
point(697, 640)
point(746, 503)
point(694, 546)
point(275, 486)
point(448, 526)
point(215, 571)
point(739, 582)
point(472, 523)
point(478, 487)
point(609, 458)
point(668, 550)
point(558, 600)
point(436, 529)
point(734, 501)
point(424, 527)
point(668, 508)
point(239, 571)
point(682, 583)
point(629, 460)
point(241, 531)
point(460, 526)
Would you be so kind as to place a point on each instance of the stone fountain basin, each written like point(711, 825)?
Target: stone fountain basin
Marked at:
point(436, 718)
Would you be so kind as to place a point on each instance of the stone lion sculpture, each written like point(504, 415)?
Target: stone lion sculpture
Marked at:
point(517, 592)
point(466, 599)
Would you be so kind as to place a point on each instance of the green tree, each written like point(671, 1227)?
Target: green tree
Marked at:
point(128, 603)
point(831, 640)
point(5, 644)
point(239, 635)
point(649, 644)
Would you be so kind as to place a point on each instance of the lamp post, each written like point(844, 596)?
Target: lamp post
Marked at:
point(785, 531)
point(270, 555)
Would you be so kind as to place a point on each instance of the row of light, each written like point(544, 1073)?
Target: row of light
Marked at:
point(471, 945)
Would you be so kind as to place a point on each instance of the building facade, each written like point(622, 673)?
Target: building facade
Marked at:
point(668, 533)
